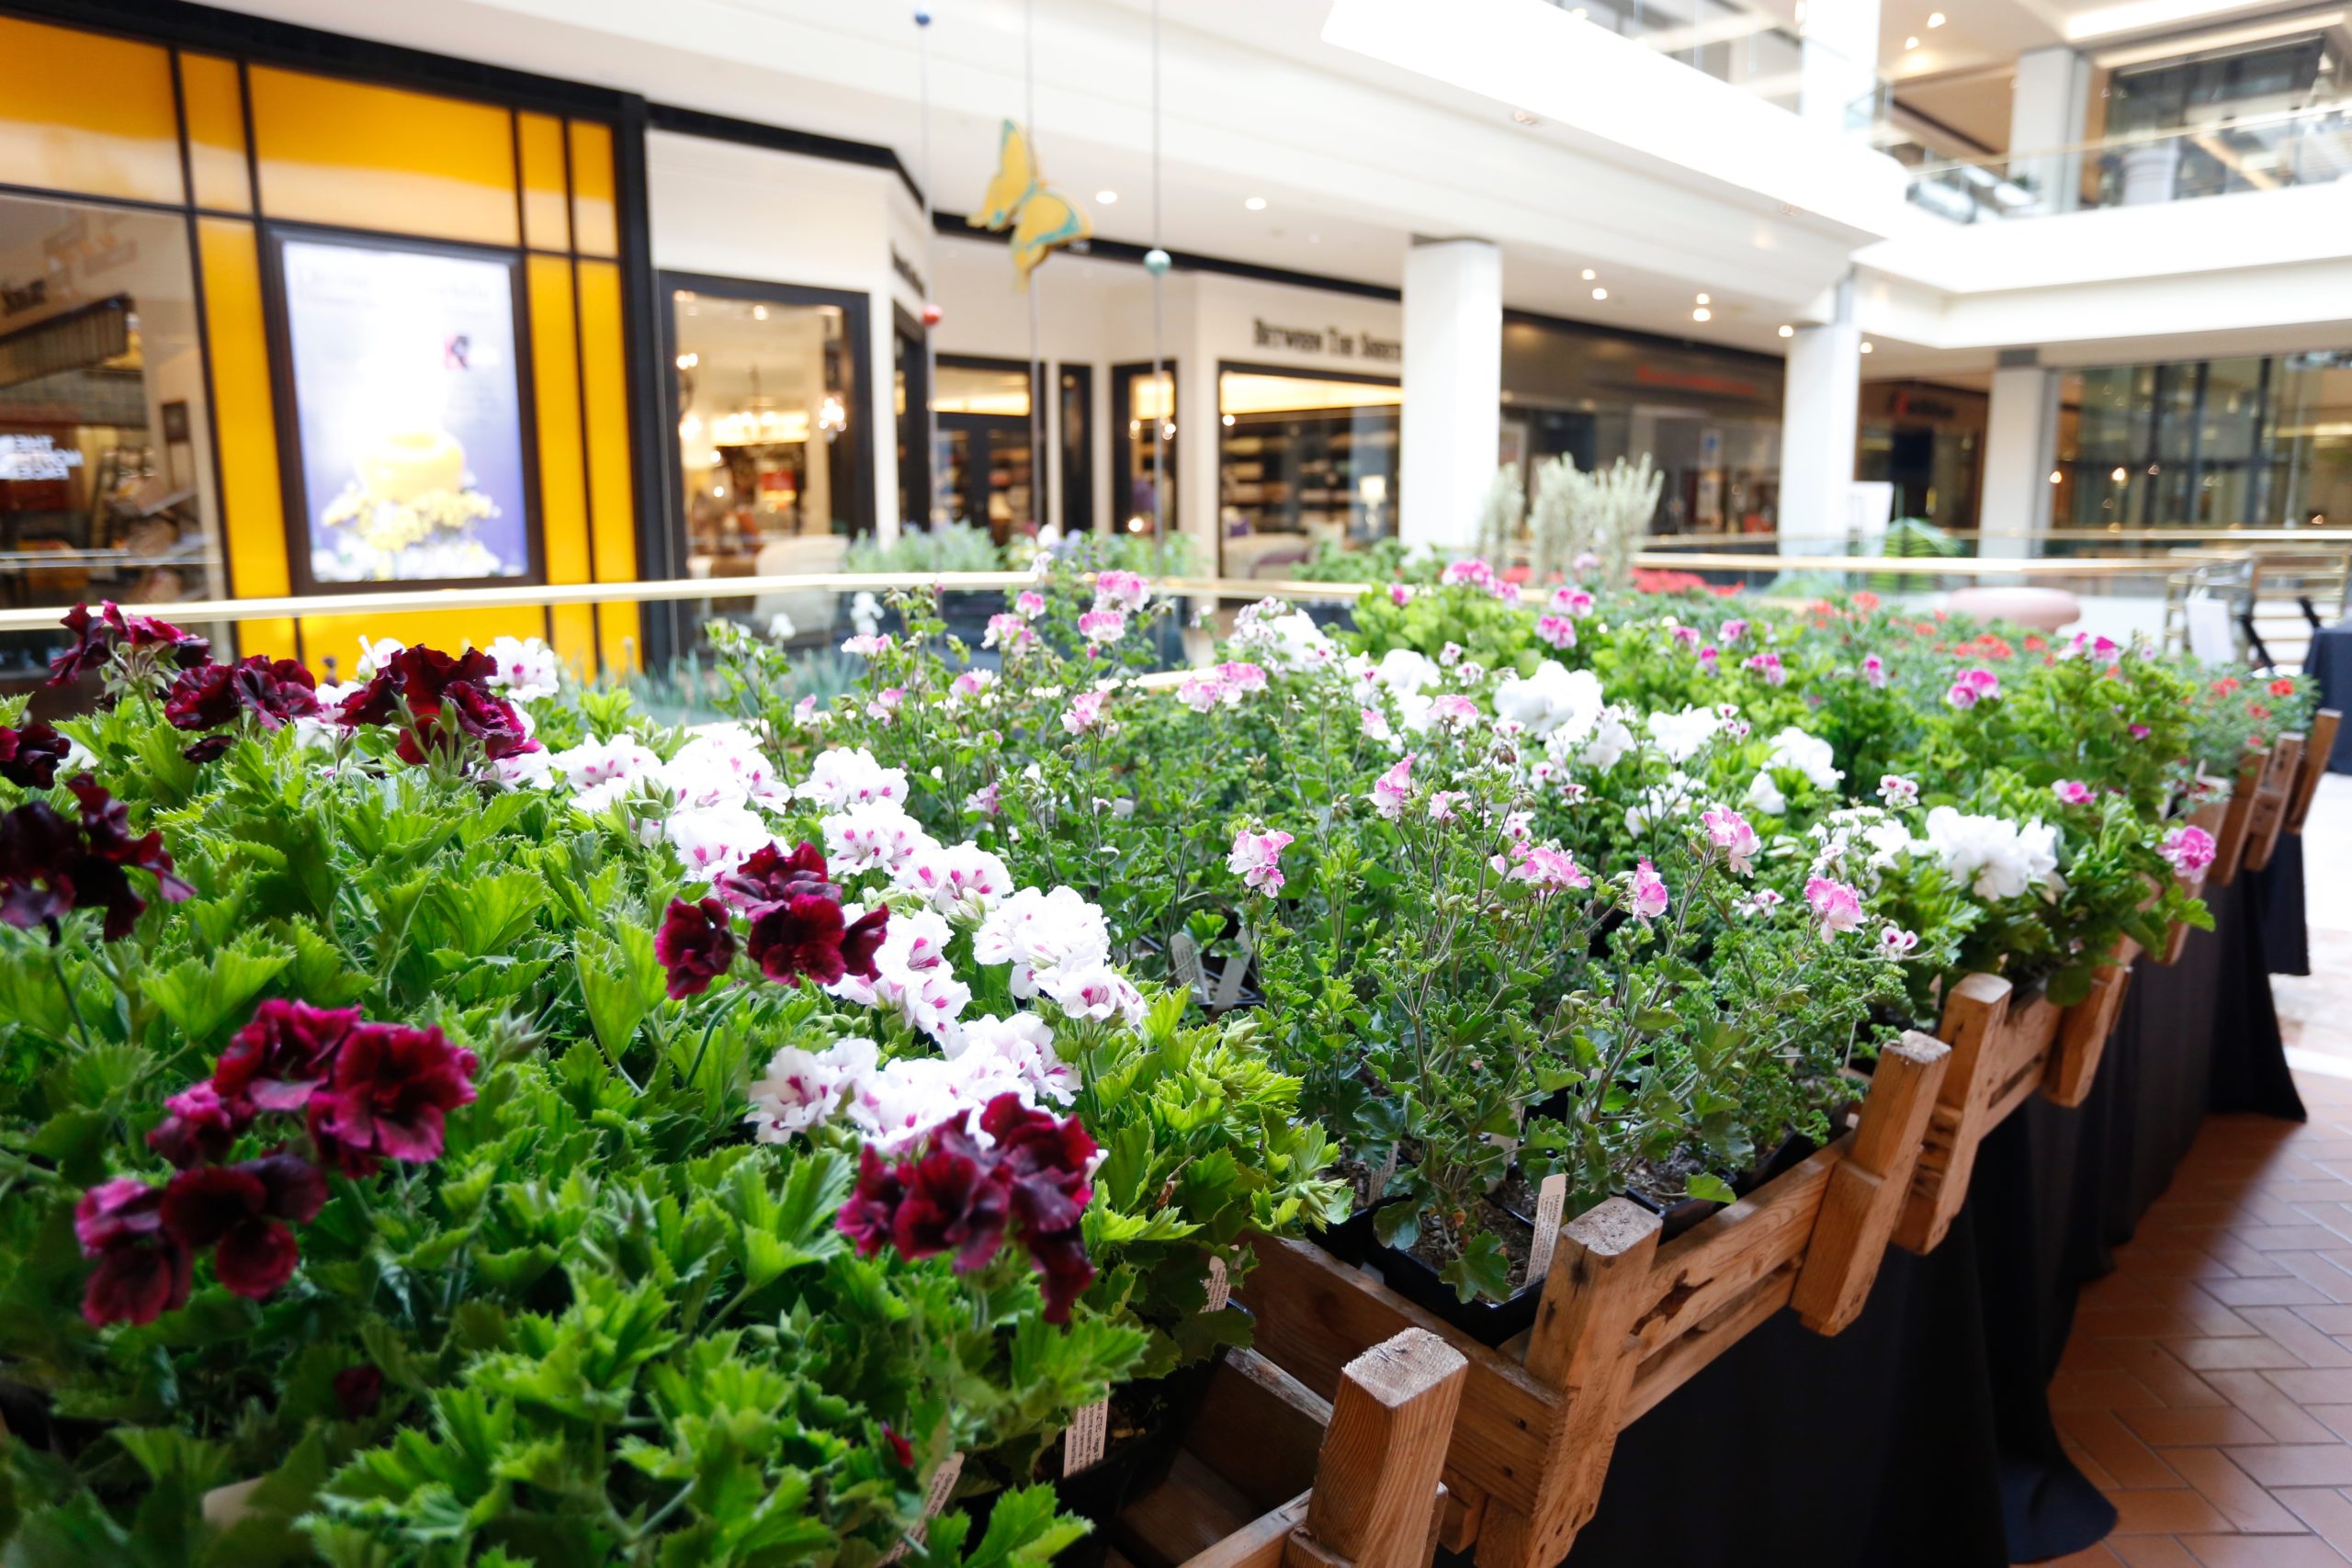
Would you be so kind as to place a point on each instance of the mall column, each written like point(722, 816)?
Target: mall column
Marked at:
point(2048, 110)
point(1453, 381)
point(1820, 420)
point(2020, 454)
point(1838, 62)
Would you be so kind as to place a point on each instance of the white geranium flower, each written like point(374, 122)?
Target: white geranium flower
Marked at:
point(1765, 796)
point(722, 766)
point(873, 836)
point(960, 881)
point(1996, 857)
point(1680, 735)
point(1037, 932)
point(846, 776)
point(1613, 736)
point(714, 840)
point(1553, 698)
point(527, 667)
point(1675, 796)
point(1792, 747)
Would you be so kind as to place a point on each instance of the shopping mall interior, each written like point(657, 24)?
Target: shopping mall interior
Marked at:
point(742, 680)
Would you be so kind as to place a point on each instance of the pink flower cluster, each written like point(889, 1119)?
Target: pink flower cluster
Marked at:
point(1256, 858)
point(2074, 792)
point(1222, 685)
point(1729, 832)
point(1972, 687)
point(2190, 849)
point(1837, 905)
point(1645, 895)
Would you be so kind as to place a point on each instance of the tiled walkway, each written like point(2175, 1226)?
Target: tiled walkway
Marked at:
point(2208, 1386)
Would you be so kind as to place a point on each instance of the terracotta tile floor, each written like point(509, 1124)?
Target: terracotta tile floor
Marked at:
point(2208, 1387)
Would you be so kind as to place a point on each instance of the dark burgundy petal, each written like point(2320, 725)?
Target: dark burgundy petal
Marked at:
point(255, 1258)
point(204, 1204)
point(202, 698)
point(209, 749)
point(862, 941)
point(137, 1281)
point(796, 937)
point(200, 1127)
point(285, 1052)
point(873, 1204)
point(771, 875)
point(28, 757)
point(696, 945)
point(116, 1210)
point(359, 1390)
point(293, 1188)
point(393, 1086)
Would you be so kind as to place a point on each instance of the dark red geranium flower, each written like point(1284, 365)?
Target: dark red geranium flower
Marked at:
point(694, 944)
point(277, 1061)
point(955, 1202)
point(771, 876)
point(200, 1127)
point(490, 720)
point(228, 1209)
point(900, 1450)
point(274, 690)
point(420, 677)
point(359, 1390)
point(96, 636)
point(873, 1204)
point(802, 935)
point(28, 757)
point(49, 867)
point(958, 1195)
point(211, 749)
point(863, 941)
point(393, 1087)
point(143, 1271)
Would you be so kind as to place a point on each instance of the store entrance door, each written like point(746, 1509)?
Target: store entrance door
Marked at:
point(989, 463)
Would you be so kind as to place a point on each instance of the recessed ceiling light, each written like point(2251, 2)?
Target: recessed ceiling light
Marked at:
point(1600, 294)
point(1580, 14)
point(1705, 301)
point(1911, 44)
point(1935, 19)
point(1107, 197)
point(1256, 204)
point(1788, 332)
point(759, 312)
point(2057, 478)
point(1866, 348)
point(1702, 314)
point(1523, 117)
point(1589, 274)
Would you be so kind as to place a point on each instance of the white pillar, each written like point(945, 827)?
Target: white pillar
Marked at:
point(1820, 419)
point(1454, 388)
point(1837, 63)
point(2020, 446)
point(2050, 110)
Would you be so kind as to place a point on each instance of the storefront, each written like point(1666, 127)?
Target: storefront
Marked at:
point(269, 328)
point(1927, 440)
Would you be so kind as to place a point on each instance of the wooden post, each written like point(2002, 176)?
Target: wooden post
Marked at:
point(2274, 800)
point(2317, 752)
point(1868, 1188)
point(2081, 1035)
point(1583, 1343)
point(1975, 1010)
point(1376, 1498)
point(2230, 843)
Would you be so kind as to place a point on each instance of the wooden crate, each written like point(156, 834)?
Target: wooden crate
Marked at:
point(2274, 800)
point(2000, 1053)
point(1270, 1475)
point(2228, 844)
point(2083, 1029)
point(1623, 1320)
point(2317, 753)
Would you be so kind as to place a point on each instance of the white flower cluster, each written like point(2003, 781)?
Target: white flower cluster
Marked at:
point(1275, 633)
point(1996, 857)
point(891, 1102)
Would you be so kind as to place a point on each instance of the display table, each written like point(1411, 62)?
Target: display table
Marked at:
point(1922, 1435)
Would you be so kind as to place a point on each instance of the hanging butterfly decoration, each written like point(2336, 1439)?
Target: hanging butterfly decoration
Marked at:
point(1040, 218)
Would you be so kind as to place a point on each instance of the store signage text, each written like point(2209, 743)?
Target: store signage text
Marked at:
point(35, 458)
point(907, 273)
point(1330, 341)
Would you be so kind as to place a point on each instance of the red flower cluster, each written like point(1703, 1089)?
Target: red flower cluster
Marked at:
point(2284, 686)
point(28, 757)
point(420, 687)
point(956, 1194)
point(52, 865)
point(96, 636)
point(796, 926)
point(210, 695)
point(366, 1092)
point(1650, 580)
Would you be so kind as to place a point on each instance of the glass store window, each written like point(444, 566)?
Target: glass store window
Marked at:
point(105, 472)
point(1302, 461)
point(986, 445)
point(772, 436)
point(1143, 448)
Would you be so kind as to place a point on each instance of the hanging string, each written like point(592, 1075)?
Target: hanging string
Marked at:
point(934, 510)
point(1159, 424)
point(1036, 358)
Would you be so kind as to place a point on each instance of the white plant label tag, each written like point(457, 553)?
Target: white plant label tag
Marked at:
point(943, 1486)
point(1220, 1284)
point(1381, 1177)
point(1184, 958)
point(1551, 1196)
point(1089, 1431)
point(1237, 970)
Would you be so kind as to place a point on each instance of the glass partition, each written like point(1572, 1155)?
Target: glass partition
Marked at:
point(1302, 461)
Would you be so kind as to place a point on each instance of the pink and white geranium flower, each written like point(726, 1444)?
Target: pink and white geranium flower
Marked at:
point(2189, 848)
point(1256, 858)
point(1837, 905)
point(1394, 789)
point(1730, 832)
point(1645, 894)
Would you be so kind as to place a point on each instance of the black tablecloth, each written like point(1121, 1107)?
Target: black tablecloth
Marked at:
point(2286, 928)
point(1922, 1435)
point(2330, 660)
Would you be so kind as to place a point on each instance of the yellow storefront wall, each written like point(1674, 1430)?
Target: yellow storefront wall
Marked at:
point(370, 159)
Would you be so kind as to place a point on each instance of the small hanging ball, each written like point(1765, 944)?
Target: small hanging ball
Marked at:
point(931, 315)
point(1156, 262)
point(923, 16)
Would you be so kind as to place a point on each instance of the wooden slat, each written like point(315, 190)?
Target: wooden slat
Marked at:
point(2082, 1037)
point(1315, 1314)
point(1257, 1544)
point(1374, 1502)
point(2228, 844)
point(1866, 1191)
point(2317, 752)
point(2274, 800)
point(1582, 1343)
point(1259, 1427)
point(1682, 1361)
point(1191, 1514)
point(1718, 1259)
point(1975, 1010)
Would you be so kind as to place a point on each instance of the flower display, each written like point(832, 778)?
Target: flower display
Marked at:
point(97, 638)
point(1993, 856)
point(51, 864)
